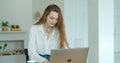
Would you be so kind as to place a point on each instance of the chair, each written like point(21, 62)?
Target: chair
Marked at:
point(26, 54)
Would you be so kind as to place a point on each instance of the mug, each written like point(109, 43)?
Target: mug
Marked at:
point(32, 61)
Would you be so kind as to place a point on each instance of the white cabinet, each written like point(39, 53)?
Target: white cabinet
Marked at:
point(15, 41)
point(13, 59)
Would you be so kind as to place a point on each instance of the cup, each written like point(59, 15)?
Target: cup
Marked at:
point(32, 61)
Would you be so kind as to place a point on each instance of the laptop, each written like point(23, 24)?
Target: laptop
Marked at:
point(71, 55)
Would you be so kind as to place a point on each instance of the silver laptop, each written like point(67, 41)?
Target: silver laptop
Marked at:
point(71, 55)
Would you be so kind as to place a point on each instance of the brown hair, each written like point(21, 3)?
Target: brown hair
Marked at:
point(59, 24)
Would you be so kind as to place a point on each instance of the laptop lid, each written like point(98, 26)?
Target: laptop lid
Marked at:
point(71, 55)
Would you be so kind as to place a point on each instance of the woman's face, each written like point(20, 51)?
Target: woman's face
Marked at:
point(52, 19)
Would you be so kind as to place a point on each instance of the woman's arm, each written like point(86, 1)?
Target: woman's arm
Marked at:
point(32, 47)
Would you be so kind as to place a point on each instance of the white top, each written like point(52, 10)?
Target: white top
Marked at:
point(40, 44)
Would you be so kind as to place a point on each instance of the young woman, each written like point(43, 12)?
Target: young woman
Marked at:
point(47, 34)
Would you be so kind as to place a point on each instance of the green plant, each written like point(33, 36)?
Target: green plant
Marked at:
point(12, 26)
point(17, 26)
point(3, 46)
point(5, 23)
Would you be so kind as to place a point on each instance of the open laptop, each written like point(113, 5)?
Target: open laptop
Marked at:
point(71, 55)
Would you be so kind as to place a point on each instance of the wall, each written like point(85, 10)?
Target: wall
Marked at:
point(117, 31)
point(93, 31)
point(76, 22)
point(117, 26)
point(101, 31)
point(17, 12)
point(106, 31)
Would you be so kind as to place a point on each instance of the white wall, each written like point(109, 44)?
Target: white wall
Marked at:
point(106, 31)
point(93, 31)
point(117, 31)
point(17, 12)
point(101, 31)
point(76, 22)
point(117, 25)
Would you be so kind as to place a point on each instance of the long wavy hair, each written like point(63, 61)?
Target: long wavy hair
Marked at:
point(59, 24)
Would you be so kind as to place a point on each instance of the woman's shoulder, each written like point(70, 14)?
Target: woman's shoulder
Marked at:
point(35, 26)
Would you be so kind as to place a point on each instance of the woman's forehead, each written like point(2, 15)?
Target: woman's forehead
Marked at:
point(53, 14)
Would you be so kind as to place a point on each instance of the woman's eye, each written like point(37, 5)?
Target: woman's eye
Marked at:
point(51, 18)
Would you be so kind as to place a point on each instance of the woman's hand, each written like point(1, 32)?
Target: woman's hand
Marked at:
point(46, 61)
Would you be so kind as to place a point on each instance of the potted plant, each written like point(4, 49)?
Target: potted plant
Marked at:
point(2, 48)
point(12, 27)
point(15, 28)
point(5, 26)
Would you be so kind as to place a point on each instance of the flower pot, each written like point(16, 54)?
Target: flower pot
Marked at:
point(4, 28)
point(15, 29)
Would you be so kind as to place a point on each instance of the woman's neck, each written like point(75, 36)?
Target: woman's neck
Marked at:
point(47, 29)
